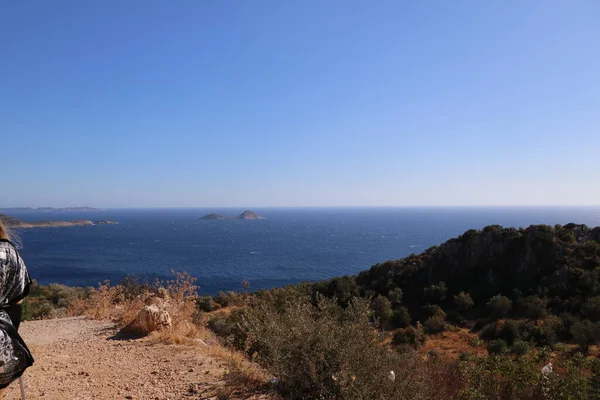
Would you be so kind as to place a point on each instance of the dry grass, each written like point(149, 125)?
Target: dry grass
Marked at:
point(244, 378)
point(452, 344)
point(122, 303)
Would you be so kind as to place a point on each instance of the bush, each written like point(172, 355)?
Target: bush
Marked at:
point(591, 308)
point(533, 307)
point(395, 296)
point(436, 293)
point(433, 310)
point(382, 310)
point(499, 306)
point(520, 348)
point(489, 331)
point(401, 318)
point(434, 325)
point(463, 301)
point(585, 333)
point(509, 331)
point(325, 351)
point(225, 299)
point(503, 378)
point(409, 336)
point(53, 300)
point(207, 304)
point(497, 346)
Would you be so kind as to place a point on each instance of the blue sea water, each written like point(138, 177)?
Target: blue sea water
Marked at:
point(288, 246)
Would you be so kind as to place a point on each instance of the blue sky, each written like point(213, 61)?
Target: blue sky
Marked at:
point(299, 103)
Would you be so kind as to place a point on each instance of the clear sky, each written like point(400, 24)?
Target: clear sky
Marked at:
point(193, 103)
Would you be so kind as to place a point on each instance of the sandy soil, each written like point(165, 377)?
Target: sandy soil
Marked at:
point(78, 359)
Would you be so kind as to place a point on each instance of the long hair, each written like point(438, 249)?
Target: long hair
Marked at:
point(8, 234)
point(3, 231)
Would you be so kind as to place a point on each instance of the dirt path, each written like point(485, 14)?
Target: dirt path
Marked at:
point(78, 359)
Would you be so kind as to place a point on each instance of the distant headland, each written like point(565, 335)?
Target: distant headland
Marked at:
point(245, 215)
point(12, 222)
point(48, 209)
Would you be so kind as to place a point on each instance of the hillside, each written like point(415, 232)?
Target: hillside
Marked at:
point(545, 280)
point(15, 223)
point(49, 209)
point(476, 317)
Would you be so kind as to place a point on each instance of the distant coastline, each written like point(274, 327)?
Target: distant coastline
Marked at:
point(245, 215)
point(48, 209)
point(15, 223)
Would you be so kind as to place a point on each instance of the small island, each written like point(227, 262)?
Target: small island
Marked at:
point(245, 215)
point(12, 222)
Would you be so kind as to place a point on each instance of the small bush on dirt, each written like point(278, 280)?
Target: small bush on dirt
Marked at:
point(520, 348)
point(207, 304)
point(434, 325)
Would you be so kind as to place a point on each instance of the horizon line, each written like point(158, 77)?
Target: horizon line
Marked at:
point(317, 206)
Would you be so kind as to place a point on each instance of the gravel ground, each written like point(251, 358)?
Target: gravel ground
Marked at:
point(78, 359)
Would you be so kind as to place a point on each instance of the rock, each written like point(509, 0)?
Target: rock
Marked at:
point(150, 318)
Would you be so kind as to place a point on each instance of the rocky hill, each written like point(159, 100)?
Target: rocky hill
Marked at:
point(249, 215)
point(245, 215)
point(539, 259)
point(544, 280)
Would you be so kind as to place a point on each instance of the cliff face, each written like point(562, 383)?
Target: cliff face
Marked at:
point(495, 260)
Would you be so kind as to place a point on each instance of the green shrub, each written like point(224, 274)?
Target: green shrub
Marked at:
point(207, 304)
point(475, 342)
point(401, 318)
point(463, 301)
point(414, 337)
point(585, 333)
point(51, 301)
point(326, 351)
point(591, 308)
point(509, 331)
point(489, 331)
point(436, 293)
point(395, 296)
point(434, 325)
point(220, 325)
point(497, 346)
point(433, 310)
point(382, 310)
point(533, 307)
point(499, 306)
point(520, 348)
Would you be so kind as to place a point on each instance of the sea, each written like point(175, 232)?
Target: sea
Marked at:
point(288, 246)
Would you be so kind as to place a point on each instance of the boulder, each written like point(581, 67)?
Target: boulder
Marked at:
point(150, 318)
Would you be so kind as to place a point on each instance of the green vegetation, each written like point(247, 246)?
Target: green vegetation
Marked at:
point(51, 301)
point(517, 298)
point(524, 293)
